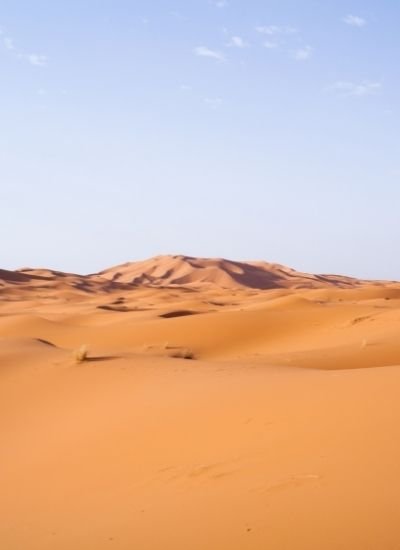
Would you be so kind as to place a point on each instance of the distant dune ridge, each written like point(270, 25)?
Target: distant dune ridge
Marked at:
point(169, 271)
point(186, 270)
point(184, 403)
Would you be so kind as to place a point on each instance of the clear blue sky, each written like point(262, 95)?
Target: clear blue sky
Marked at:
point(246, 129)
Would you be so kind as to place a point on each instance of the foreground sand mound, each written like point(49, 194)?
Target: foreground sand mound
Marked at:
point(165, 454)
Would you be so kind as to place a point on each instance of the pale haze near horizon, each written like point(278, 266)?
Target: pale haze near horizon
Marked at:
point(239, 129)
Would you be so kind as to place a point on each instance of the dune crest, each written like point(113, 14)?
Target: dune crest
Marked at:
point(183, 271)
point(220, 272)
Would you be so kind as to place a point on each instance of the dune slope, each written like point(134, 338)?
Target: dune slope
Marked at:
point(223, 405)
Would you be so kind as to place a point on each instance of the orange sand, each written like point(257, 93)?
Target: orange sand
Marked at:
point(279, 434)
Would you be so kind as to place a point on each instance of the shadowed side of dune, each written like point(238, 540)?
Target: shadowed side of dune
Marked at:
point(18, 277)
point(219, 272)
point(186, 272)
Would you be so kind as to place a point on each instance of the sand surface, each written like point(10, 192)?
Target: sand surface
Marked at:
point(224, 406)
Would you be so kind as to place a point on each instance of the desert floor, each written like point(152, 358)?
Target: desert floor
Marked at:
point(208, 419)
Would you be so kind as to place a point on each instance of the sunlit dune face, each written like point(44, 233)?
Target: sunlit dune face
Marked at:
point(185, 403)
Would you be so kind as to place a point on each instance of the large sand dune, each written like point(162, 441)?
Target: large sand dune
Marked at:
point(280, 432)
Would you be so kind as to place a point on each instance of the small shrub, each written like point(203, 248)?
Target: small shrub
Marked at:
point(81, 354)
point(183, 353)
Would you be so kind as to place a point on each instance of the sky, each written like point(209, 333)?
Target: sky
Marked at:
point(244, 129)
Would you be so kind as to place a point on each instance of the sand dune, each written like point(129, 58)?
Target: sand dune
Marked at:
point(279, 432)
point(186, 270)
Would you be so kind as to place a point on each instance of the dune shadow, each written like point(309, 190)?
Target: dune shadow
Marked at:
point(178, 313)
point(102, 358)
point(46, 342)
point(121, 308)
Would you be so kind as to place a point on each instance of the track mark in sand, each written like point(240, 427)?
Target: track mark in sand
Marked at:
point(212, 471)
point(215, 470)
point(358, 320)
point(291, 482)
